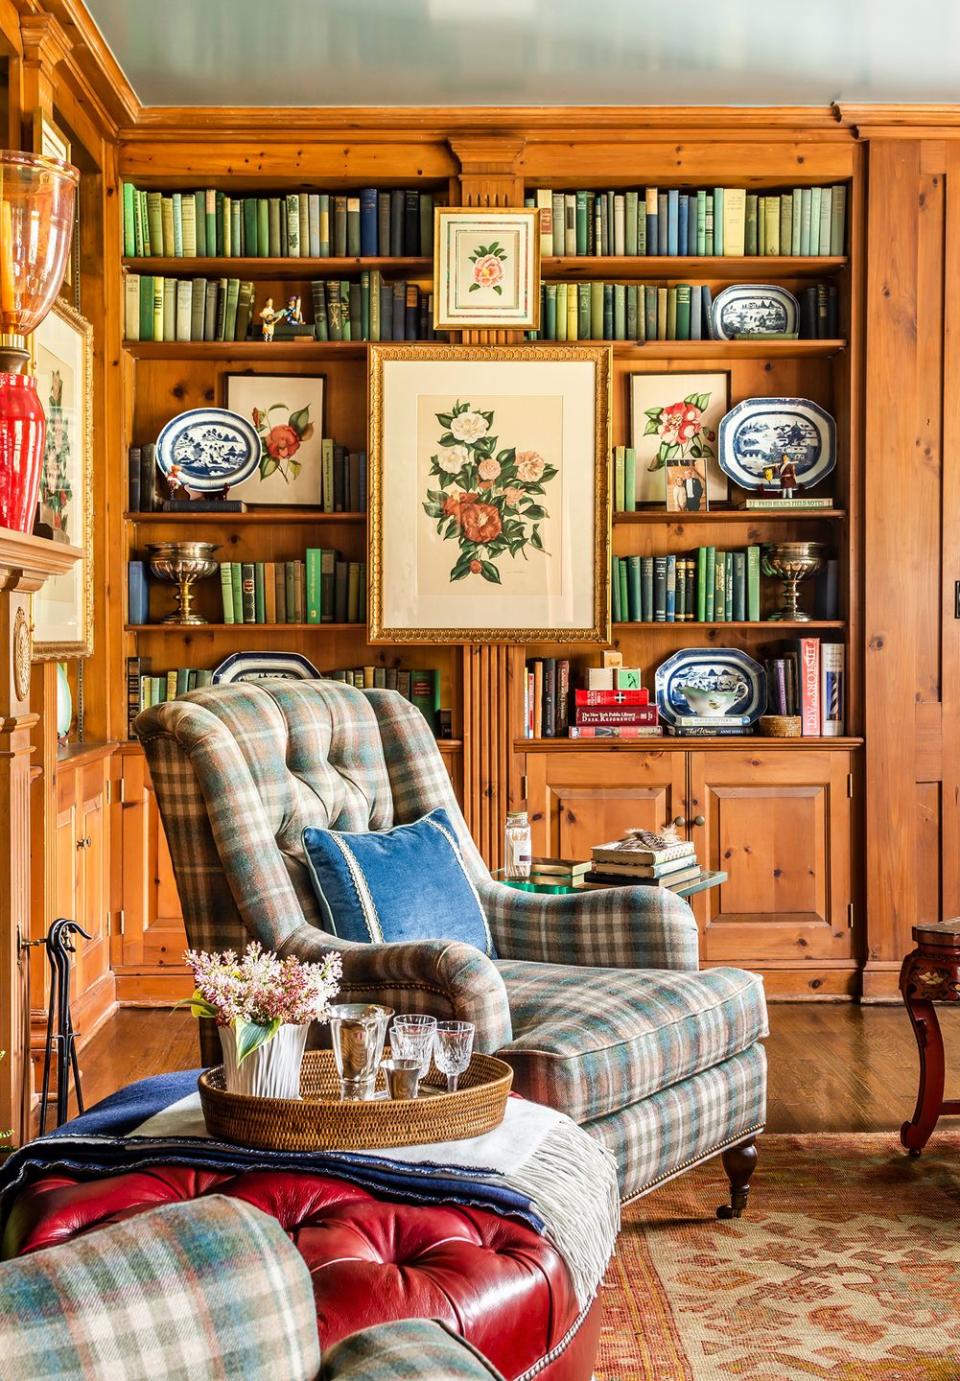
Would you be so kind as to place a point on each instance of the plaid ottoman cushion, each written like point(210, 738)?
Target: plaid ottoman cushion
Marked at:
point(595, 1041)
point(406, 1350)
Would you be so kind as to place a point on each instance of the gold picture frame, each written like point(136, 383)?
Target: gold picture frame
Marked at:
point(489, 514)
point(486, 268)
point(61, 357)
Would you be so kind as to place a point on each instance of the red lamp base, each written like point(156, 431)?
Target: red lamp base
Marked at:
point(23, 429)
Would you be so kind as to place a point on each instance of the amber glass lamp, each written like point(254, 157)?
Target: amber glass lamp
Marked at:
point(37, 199)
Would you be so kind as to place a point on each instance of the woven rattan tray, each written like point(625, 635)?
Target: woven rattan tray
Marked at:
point(322, 1121)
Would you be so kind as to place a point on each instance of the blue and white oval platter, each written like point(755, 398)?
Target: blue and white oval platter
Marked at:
point(761, 432)
point(754, 309)
point(725, 676)
point(207, 449)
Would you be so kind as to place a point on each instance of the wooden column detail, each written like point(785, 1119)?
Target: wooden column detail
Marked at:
point(45, 45)
point(25, 563)
point(490, 788)
point(489, 177)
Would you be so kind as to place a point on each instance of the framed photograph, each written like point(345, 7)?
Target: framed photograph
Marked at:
point(62, 351)
point(287, 411)
point(489, 515)
point(674, 424)
point(486, 268)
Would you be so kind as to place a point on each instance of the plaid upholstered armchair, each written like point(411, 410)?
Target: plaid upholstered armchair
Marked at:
point(595, 999)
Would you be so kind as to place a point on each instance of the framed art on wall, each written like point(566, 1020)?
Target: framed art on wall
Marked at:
point(62, 360)
point(488, 493)
point(486, 268)
point(287, 412)
point(674, 424)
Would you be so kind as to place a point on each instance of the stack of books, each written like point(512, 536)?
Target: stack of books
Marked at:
point(558, 872)
point(807, 679)
point(644, 859)
point(615, 714)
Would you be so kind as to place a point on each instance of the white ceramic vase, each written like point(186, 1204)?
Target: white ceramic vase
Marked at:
point(272, 1070)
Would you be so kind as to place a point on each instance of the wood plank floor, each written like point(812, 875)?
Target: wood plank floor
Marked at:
point(833, 1067)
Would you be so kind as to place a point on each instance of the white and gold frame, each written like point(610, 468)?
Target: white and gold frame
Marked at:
point(489, 514)
point(486, 268)
point(62, 360)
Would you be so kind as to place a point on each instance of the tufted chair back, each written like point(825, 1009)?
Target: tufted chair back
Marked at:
point(239, 771)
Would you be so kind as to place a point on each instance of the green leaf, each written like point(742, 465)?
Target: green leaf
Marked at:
point(499, 292)
point(250, 1036)
point(507, 456)
point(691, 400)
point(199, 1006)
point(536, 540)
point(489, 572)
point(300, 419)
point(475, 287)
point(444, 418)
point(653, 412)
point(656, 464)
point(651, 427)
point(703, 400)
point(434, 510)
point(268, 467)
point(488, 417)
point(696, 450)
point(669, 451)
point(448, 439)
point(534, 511)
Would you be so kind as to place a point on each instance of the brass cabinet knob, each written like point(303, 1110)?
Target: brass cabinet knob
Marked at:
point(699, 819)
point(680, 821)
point(84, 843)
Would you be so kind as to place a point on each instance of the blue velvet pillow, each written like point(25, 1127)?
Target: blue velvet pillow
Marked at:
point(408, 883)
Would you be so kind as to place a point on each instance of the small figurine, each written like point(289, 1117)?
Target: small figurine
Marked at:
point(787, 476)
point(272, 317)
point(269, 317)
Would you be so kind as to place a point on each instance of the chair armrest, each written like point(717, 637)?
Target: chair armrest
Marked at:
point(614, 928)
point(445, 978)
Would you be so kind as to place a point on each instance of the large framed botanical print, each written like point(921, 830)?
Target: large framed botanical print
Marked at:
point(62, 350)
point(489, 513)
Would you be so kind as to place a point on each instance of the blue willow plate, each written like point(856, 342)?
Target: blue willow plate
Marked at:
point(759, 433)
point(255, 666)
point(711, 681)
point(207, 449)
point(754, 309)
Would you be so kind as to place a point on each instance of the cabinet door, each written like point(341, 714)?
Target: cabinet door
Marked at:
point(153, 933)
point(93, 913)
point(579, 799)
point(779, 823)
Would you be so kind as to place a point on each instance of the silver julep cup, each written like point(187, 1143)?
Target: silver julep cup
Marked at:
point(403, 1077)
point(358, 1031)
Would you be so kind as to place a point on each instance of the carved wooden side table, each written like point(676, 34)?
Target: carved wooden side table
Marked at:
point(930, 974)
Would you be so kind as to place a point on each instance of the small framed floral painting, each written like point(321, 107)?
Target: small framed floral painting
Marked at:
point(287, 411)
point(674, 420)
point(488, 493)
point(486, 271)
point(62, 360)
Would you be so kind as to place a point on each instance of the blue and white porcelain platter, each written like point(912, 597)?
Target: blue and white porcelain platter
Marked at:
point(761, 432)
point(207, 449)
point(255, 666)
point(754, 309)
point(711, 681)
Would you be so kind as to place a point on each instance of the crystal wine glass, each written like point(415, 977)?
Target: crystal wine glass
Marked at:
point(412, 1038)
point(453, 1046)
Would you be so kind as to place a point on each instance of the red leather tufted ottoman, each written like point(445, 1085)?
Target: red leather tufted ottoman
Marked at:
point(503, 1287)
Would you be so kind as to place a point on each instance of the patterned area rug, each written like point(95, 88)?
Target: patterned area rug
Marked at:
point(845, 1268)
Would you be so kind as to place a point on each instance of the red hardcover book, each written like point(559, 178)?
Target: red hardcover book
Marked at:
point(618, 731)
point(617, 714)
point(612, 697)
point(808, 658)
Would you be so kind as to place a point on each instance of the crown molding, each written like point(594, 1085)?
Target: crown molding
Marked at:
point(96, 76)
point(889, 121)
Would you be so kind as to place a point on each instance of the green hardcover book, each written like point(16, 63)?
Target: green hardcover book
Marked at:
point(147, 290)
point(244, 310)
point(204, 678)
point(739, 597)
point(709, 591)
point(237, 245)
point(651, 298)
point(719, 587)
point(326, 473)
point(273, 227)
point(608, 311)
point(290, 222)
point(248, 592)
point(236, 579)
point(718, 220)
point(353, 592)
point(159, 293)
point(753, 584)
point(177, 204)
point(290, 590)
point(671, 589)
point(771, 225)
point(624, 592)
point(210, 310)
point(596, 311)
point(230, 317)
point(661, 314)
point(633, 326)
point(213, 235)
point(646, 589)
point(129, 238)
point(304, 200)
point(615, 615)
point(259, 593)
point(786, 223)
point(619, 311)
point(583, 311)
point(334, 313)
point(200, 224)
point(280, 591)
point(345, 312)
point(701, 582)
point(701, 214)
point(629, 480)
point(339, 245)
point(353, 227)
point(376, 288)
point(223, 218)
point(314, 555)
point(581, 222)
point(561, 311)
point(263, 228)
point(325, 224)
point(226, 590)
point(142, 202)
point(838, 216)
point(683, 311)
point(198, 306)
point(641, 223)
point(680, 612)
point(328, 568)
point(424, 689)
point(188, 225)
point(619, 454)
point(232, 214)
point(826, 211)
point(635, 606)
point(750, 224)
point(671, 314)
point(728, 586)
point(816, 194)
point(806, 207)
point(249, 245)
point(630, 202)
point(365, 305)
point(659, 589)
point(138, 226)
point(169, 328)
point(708, 225)
point(550, 312)
point(796, 197)
point(166, 220)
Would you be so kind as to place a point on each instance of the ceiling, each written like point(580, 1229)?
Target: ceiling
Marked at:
point(534, 52)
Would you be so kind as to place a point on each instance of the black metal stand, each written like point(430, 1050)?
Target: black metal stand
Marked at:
point(60, 1035)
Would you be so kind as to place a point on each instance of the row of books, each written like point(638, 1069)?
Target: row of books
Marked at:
point(809, 680)
point(185, 309)
point(644, 859)
point(374, 308)
point(322, 589)
point(208, 223)
point(553, 709)
point(711, 587)
point(647, 311)
point(341, 480)
point(728, 221)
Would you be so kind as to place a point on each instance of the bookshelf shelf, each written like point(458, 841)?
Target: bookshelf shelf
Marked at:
point(292, 269)
point(260, 517)
point(670, 743)
point(245, 349)
point(725, 349)
point(728, 515)
point(754, 267)
point(771, 625)
point(188, 629)
point(707, 350)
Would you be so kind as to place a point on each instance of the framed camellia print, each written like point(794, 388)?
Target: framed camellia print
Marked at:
point(287, 412)
point(486, 270)
point(675, 418)
point(488, 493)
point(62, 351)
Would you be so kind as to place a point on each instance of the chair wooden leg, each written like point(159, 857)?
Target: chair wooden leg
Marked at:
point(739, 1163)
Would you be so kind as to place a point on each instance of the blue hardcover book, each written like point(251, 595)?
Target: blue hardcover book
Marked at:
point(671, 591)
point(673, 215)
point(692, 223)
point(368, 222)
point(707, 298)
point(137, 594)
point(651, 215)
point(662, 203)
point(683, 223)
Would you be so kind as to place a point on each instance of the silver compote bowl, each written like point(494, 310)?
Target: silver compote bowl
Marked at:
point(183, 563)
point(792, 562)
